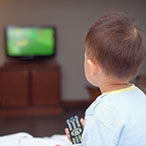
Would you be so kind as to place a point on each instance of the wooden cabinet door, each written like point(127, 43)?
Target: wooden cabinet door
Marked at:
point(46, 87)
point(14, 88)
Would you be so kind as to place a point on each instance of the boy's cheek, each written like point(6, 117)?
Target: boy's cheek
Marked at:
point(86, 69)
point(87, 73)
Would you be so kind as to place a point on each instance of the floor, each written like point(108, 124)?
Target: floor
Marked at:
point(38, 126)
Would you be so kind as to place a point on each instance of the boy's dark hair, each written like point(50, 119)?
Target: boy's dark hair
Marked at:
point(117, 44)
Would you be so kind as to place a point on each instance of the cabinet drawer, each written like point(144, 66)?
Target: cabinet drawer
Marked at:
point(14, 88)
point(45, 87)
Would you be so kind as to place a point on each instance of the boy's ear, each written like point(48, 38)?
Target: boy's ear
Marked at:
point(93, 66)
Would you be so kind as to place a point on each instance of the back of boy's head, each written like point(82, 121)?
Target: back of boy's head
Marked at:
point(117, 45)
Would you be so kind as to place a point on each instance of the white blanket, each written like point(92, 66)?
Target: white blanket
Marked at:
point(25, 139)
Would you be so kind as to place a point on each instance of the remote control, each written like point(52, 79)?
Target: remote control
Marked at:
point(75, 129)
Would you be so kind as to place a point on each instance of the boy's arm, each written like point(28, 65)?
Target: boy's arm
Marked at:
point(97, 133)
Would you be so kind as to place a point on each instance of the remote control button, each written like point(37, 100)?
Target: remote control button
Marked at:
point(76, 131)
point(74, 141)
point(77, 140)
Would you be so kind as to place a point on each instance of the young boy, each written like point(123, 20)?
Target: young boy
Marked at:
point(114, 51)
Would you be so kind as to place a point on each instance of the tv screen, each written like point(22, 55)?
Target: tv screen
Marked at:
point(30, 42)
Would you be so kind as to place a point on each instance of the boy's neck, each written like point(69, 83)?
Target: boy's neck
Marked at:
point(108, 85)
point(114, 86)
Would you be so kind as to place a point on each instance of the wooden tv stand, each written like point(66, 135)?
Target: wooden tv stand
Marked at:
point(30, 88)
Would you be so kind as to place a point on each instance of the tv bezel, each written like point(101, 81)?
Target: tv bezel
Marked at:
point(30, 57)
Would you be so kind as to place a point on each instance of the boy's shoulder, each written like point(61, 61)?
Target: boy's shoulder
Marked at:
point(117, 102)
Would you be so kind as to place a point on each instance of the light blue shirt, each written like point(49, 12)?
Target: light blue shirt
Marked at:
point(116, 118)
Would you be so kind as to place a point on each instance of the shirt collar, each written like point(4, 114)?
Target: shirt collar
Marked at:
point(132, 87)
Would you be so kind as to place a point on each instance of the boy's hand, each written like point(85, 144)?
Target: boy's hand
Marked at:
point(67, 131)
point(82, 122)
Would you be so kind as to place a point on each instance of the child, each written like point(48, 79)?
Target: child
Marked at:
point(114, 51)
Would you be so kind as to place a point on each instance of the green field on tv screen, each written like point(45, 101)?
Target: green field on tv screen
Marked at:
point(30, 41)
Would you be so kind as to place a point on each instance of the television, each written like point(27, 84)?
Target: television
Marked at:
point(30, 42)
